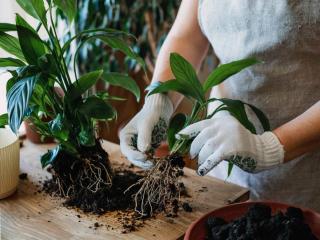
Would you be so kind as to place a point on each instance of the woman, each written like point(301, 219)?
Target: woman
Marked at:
point(283, 164)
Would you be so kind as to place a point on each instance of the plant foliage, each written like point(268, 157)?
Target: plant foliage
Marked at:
point(187, 83)
point(150, 21)
point(40, 65)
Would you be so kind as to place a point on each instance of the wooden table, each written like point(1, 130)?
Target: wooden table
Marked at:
point(27, 215)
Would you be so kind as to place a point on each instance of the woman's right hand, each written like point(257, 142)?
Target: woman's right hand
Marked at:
point(146, 130)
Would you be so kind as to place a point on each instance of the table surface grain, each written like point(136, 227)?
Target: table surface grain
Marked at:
point(37, 216)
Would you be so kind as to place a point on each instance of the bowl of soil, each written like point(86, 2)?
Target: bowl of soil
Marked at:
point(9, 162)
point(256, 220)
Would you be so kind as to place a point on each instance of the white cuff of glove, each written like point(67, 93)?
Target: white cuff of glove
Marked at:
point(270, 149)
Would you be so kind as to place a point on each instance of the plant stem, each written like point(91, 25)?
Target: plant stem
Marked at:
point(64, 66)
point(181, 146)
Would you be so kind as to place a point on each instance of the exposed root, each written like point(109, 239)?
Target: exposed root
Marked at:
point(160, 188)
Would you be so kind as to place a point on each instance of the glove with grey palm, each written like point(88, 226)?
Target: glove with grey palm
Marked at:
point(146, 130)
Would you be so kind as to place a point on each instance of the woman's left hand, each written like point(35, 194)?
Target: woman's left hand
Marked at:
point(224, 138)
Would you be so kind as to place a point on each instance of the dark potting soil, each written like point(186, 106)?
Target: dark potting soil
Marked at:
point(259, 224)
point(83, 183)
point(23, 176)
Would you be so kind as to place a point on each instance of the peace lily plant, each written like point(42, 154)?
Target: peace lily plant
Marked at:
point(160, 188)
point(79, 165)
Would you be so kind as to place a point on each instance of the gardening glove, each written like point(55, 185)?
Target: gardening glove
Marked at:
point(224, 138)
point(146, 130)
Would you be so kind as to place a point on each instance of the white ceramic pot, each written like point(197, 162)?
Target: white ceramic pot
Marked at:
point(9, 162)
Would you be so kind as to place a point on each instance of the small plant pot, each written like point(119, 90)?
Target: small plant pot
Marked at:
point(9, 162)
point(33, 136)
point(197, 230)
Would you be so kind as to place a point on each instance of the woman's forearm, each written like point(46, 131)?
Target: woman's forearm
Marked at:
point(302, 134)
point(185, 38)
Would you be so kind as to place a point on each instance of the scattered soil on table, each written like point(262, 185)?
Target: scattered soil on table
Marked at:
point(88, 183)
point(160, 189)
point(259, 224)
point(186, 207)
point(23, 176)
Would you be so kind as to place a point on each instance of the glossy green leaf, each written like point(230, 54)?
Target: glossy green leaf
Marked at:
point(176, 124)
point(186, 76)
point(11, 45)
point(11, 62)
point(34, 8)
point(124, 81)
point(18, 99)
point(31, 44)
point(104, 95)
point(86, 137)
point(92, 33)
point(225, 71)
point(261, 116)
point(68, 7)
point(59, 129)
point(230, 167)
point(96, 108)
point(119, 44)
point(83, 84)
point(7, 27)
point(50, 156)
point(237, 109)
point(165, 87)
point(3, 120)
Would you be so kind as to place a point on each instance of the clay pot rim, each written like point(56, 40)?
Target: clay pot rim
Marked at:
point(267, 202)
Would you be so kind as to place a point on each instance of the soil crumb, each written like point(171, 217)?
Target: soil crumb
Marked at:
point(259, 224)
point(186, 207)
point(23, 176)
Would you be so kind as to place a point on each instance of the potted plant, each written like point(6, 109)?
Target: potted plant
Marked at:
point(79, 165)
point(149, 21)
point(160, 189)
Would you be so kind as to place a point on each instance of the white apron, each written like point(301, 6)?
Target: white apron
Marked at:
point(285, 34)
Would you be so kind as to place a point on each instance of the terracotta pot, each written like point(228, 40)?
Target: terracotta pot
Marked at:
point(9, 162)
point(34, 136)
point(197, 230)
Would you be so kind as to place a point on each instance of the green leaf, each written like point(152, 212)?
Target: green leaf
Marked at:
point(186, 76)
point(261, 116)
point(7, 27)
point(83, 84)
point(34, 8)
point(225, 71)
point(86, 137)
point(3, 120)
point(124, 81)
point(11, 62)
point(230, 167)
point(58, 128)
point(96, 108)
point(176, 124)
point(237, 109)
point(93, 33)
point(165, 87)
point(104, 95)
point(119, 44)
point(31, 44)
point(50, 156)
point(69, 7)
point(11, 45)
point(18, 99)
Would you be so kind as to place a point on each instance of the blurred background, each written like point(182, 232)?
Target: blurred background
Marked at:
point(148, 20)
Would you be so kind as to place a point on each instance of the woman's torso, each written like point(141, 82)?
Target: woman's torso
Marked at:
point(285, 35)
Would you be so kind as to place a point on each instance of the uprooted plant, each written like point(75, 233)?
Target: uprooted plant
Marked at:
point(79, 165)
point(160, 189)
